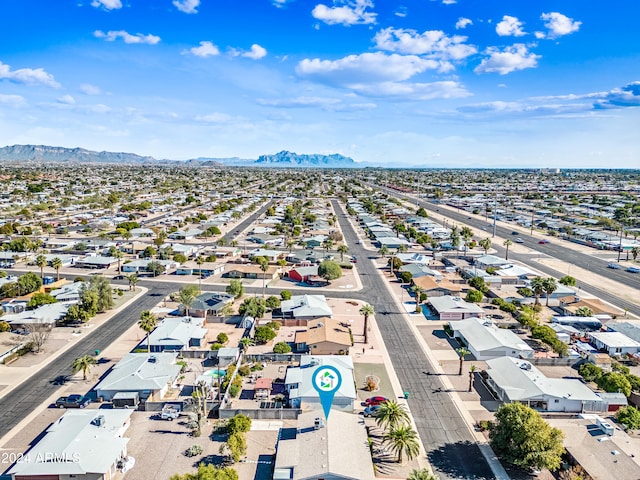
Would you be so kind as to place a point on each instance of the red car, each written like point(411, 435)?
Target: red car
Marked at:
point(543, 242)
point(372, 401)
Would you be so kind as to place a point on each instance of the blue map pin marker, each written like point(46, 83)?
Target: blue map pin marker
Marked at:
point(326, 380)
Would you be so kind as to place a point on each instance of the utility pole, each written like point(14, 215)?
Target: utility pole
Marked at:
point(620, 243)
point(495, 214)
point(533, 212)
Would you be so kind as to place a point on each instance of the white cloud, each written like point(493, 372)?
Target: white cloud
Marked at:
point(449, 2)
point(67, 100)
point(127, 37)
point(510, 26)
point(516, 57)
point(257, 52)
point(107, 4)
point(215, 117)
point(414, 91)
point(206, 49)
point(559, 24)
point(279, 3)
point(187, 6)
point(364, 68)
point(299, 102)
point(401, 12)
point(627, 96)
point(463, 23)
point(351, 12)
point(540, 35)
point(12, 100)
point(28, 76)
point(89, 89)
point(434, 43)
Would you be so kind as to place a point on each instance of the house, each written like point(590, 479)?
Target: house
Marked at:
point(485, 340)
point(517, 380)
point(485, 261)
point(210, 304)
point(44, 315)
point(95, 262)
point(175, 334)
point(224, 356)
point(301, 308)
point(271, 255)
point(188, 234)
point(206, 269)
point(630, 329)
point(142, 265)
point(392, 242)
point(149, 374)
point(82, 444)
point(251, 271)
point(263, 388)
point(68, 293)
point(302, 393)
point(317, 449)
point(303, 274)
point(141, 232)
point(418, 270)
point(434, 288)
point(324, 336)
point(614, 343)
point(315, 241)
point(454, 308)
point(571, 303)
point(580, 323)
point(406, 258)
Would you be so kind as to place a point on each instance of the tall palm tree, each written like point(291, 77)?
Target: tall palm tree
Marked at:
point(537, 285)
point(117, 253)
point(56, 264)
point(187, 295)
point(342, 249)
point(472, 370)
point(83, 364)
point(392, 414)
point(41, 261)
point(402, 440)
point(461, 353)
point(507, 243)
point(133, 279)
point(327, 245)
point(366, 310)
point(485, 243)
point(147, 322)
point(200, 261)
point(264, 266)
point(290, 245)
point(422, 474)
point(419, 291)
point(246, 342)
point(550, 286)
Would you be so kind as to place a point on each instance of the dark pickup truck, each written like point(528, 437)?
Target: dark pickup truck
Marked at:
point(72, 401)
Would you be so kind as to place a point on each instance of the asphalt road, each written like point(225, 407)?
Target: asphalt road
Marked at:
point(553, 249)
point(28, 396)
point(450, 447)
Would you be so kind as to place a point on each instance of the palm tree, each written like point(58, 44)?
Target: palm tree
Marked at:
point(384, 251)
point(290, 245)
point(147, 322)
point(461, 352)
point(264, 266)
point(635, 251)
point(402, 248)
point(366, 310)
point(485, 243)
point(41, 261)
point(419, 291)
point(402, 440)
point(454, 238)
point(200, 261)
point(507, 243)
point(537, 285)
point(246, 342)
point(422, 474)
point(133, 279)
point(56, 264)
point(84, 365)
point(117, 254)
point(550, 286)
point(342, 249)
point(226, 310)
point(472, 370)
point(327, 245)
point(391, 415)
point(187, 295)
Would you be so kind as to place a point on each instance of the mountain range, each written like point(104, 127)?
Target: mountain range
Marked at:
point(283, 159)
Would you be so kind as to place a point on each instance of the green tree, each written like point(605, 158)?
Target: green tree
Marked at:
point(329, 270)
point(117, 254)
point(5, 326)
point(264, 266)
point(568, 281)
point(238, 424)
point(187, 295)
point(273, 302)
point(56, 264)
point(590, 372)
point(281, 347)
point(522, 437)
point(253, 307)
point(472, 370)
point(402, 440)
point(537, 285)
point(550, 286)
point(285, 295)
point(149, 252)
point(383, 251)
point(29, 283)
point(366, 311)
point(83, 364)
point(235, 447)
point(474, 296)
point(461, 354)
point(614, 382)
point(147, 323)
point(629, 416)
point(40, 298)
point(209, 472)
point(264, 334)
point(41, 262)
point(156, 268)
point(422, 474)
point(391, 415)
point(342, 250)
point(485, 243)
point(235, 288)
point(584, 312)
point(479, 284)
point(507, 243)
point(133, 280)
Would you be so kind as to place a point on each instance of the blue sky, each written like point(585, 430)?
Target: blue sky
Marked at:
point(460, 83)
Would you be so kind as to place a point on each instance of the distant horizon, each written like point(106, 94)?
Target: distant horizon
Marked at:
point(546, 84)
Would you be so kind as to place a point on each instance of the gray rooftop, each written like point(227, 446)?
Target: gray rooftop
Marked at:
point(141, 371)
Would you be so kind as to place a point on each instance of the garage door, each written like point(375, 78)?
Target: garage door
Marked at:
point(37, 477)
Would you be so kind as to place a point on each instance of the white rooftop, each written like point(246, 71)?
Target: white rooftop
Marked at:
point(614, 339)
point(485, 335)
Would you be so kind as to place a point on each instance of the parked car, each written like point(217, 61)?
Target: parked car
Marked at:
point(372, 401)
point(615, 266)
point(73, 401)
point(633, 270)
point(170, 412)
point(371, 410)
point(519, 240)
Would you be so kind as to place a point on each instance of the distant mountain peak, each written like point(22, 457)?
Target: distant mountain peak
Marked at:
point(291, 159)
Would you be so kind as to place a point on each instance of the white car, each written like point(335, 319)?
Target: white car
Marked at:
point(519, 240)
